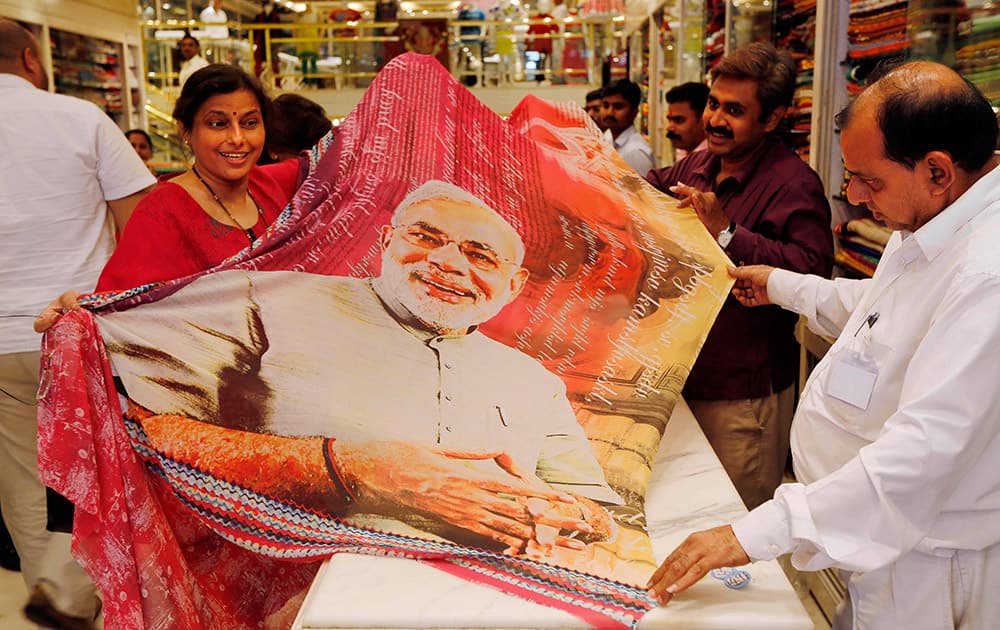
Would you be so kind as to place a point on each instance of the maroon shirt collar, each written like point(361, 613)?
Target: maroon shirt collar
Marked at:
point(710, 169)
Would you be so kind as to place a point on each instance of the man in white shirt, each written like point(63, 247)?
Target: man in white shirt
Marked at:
point(619, 106)
point(213, 14)
point(68, 176)
point(191, 59)
point(897, 435)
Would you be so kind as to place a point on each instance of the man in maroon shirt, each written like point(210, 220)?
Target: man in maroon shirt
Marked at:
point(764, 206)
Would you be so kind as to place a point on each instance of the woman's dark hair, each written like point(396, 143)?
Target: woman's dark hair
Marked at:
point(141, 132)
point(217, 78)
point(297, 124)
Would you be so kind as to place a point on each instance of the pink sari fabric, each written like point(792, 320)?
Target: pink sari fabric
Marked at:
point(156, 563)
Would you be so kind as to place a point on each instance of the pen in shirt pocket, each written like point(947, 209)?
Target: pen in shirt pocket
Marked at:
point(870, 321)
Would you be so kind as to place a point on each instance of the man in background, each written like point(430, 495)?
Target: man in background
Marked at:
point(764, 205)
point(593, 108)
point(214, 14)
point(619, 107)
point(897, 436)
point(191, 59)
point(685, 106)
point(68, 177)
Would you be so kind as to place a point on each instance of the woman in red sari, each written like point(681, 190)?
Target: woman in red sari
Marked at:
point(223, 203)
point(220, 206)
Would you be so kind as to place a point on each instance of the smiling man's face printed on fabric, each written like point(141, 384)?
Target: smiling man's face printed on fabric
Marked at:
point(449, 259)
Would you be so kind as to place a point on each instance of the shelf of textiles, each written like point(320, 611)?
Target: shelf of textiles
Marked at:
point(977, 55)
point(860, 243)
point(88, 68)
point(795, 30)
point(860, 240)
point(876, 31)
point(962, 34)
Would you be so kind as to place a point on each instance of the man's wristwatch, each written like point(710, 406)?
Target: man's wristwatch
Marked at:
point(726, 235)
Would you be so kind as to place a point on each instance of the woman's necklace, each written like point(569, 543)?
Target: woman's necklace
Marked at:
point(260, 211)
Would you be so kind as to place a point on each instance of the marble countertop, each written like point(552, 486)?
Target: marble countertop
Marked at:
point(689, 491)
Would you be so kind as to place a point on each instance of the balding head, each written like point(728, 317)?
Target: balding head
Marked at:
point(20, 53)
point(924, 106)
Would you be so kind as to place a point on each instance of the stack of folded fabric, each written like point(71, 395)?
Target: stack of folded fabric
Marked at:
point(861, 243)
point(795, 30)
point(876, 30)
point(876, 27)
point(978, 55)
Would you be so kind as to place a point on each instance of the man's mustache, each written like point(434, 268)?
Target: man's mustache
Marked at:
point(672, 136)
point(722, 131)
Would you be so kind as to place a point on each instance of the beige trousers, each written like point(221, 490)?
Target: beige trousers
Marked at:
point(45, 555)
point(750, 437)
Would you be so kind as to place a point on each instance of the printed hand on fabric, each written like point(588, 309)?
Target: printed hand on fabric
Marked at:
point(481, 492)
point(391, 477)
point(569, 525)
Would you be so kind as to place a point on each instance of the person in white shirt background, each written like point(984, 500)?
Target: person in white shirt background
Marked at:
point(214, 14)
point(191, 59)
point(619, 107)
point(897, 433)
point(67, 177)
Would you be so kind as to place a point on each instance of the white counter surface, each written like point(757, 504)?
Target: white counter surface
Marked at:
point(689, 491)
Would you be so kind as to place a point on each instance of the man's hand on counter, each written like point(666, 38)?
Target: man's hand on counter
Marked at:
point(698, 554)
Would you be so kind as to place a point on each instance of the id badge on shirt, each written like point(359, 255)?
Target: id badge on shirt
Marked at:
point(852, 378)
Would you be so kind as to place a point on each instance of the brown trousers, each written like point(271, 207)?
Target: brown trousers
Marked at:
point(750, 437)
